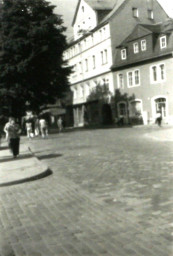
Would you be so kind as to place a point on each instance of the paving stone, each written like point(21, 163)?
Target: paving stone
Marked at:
point(110, 195)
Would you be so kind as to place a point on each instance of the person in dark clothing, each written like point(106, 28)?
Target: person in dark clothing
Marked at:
point(13, 130)
point(159, 119)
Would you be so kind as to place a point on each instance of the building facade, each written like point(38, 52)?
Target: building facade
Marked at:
point(143, 74)
point(99, 27)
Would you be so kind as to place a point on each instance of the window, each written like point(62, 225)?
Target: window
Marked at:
point(86, 65)
point(120, 81)
point(85, 43)
point(123, 54)
point(94, 62)
point(83, 9)
point(82, 91)
point(162, 71)
point(160, 106)
point(92, 39)
point(100, 31)
point(135, 108)
point(79, 47)
point(80, 67)
point(154, 73)
point(136, 77)
point(122, 109)
point(135, 12)
point(102, 60)
point(136, 47)
point(150, 14)
point(130, 78)
point(133, 78)
point(105, 56)
point(158, 73)
point(143, 45)
point(163, 43)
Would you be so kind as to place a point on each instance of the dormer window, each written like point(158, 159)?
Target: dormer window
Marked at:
point(150, 14)
point(136, 47)
point(123, 54)
point(143, 45)
point(135, 12)
point(163, 42)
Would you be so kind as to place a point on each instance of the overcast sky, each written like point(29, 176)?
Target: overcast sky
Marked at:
point(67, 8)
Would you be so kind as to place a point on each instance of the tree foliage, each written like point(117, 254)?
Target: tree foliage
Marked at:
point(31, 55)
point(100, 92)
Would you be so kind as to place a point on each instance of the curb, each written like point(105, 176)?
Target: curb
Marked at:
point(25, 172)
point(42, 175)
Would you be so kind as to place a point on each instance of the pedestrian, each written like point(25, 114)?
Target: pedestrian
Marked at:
point(43, 127)
point(59, 123)
point(159, 119)
point(13, 130)
point(29, 128)
point(36, 124)
point(5, 128)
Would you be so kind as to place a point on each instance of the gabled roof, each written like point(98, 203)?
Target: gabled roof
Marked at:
point(96, 5)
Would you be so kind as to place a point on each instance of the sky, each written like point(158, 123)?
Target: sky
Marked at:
point(67, 8)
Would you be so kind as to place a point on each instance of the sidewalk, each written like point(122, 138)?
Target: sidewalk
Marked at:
point(22, 169)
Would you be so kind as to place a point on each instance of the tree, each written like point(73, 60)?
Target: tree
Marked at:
point(31, 59)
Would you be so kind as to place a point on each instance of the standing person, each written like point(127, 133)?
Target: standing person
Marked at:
point(43, 127)
point(37, 132)
point(5, 128)
point(59, 123)
point(159, 118)
point(13, 131)
point(29, 129)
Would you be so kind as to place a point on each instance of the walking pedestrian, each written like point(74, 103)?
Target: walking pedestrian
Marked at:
point(13, 130)
point(43, 127)
point(59, 123)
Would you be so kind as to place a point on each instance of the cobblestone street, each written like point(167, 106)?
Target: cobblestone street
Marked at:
point(110, 194)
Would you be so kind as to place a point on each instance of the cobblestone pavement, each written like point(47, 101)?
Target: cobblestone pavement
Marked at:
point(111, 194)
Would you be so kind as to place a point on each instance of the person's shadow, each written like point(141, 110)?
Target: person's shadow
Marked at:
point(10, 158)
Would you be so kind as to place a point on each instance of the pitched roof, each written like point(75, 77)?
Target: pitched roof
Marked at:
point(117, 5)
point(96, 5)
point(153, 28)
point(101, 4)
point(141, 30)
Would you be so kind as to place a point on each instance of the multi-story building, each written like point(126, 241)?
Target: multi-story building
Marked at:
point(143, 74)
point(99, 26)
